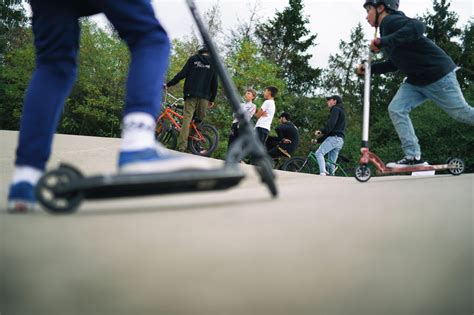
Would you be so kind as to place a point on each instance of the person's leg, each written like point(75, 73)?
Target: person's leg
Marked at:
point(149, 48)
point(447, 94)
point(334, 153)
point(406, 99)
point(323, 149)
point(262, 134)
point(190, 105)
point(56, 32)
point(271, 142)
point(201, 108)
point(234, 134)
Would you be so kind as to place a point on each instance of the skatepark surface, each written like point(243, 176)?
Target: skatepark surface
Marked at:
point(326, 245)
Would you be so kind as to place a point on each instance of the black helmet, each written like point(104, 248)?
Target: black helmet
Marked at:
point(389, 4)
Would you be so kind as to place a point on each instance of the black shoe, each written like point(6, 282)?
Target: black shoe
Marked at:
point(407, 162)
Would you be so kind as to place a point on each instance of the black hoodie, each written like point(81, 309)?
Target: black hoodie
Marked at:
point(336, 123)
point(409, 51)
point(201, 79)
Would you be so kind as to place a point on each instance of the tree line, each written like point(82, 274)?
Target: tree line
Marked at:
point(273, 52)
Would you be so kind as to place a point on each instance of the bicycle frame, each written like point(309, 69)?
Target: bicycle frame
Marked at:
point(312, 157)
point(169, 114)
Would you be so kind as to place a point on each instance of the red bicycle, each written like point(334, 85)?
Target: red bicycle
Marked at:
point(203, 138)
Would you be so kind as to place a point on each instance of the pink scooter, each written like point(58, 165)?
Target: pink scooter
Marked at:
point(363, 173)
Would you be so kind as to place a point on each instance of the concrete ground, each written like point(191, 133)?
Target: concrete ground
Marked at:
point(393, 245)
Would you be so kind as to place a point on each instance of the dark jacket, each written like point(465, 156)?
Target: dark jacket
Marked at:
point(201, 78)
point(288, 131)
point(409, 51)
point(336, 124)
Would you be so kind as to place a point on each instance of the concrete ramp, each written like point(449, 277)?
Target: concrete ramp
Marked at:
point(393, 245)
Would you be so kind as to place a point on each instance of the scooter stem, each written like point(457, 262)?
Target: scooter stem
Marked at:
point(366, 114)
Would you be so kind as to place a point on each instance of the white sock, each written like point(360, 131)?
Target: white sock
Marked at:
point(26, 174)
point(138, 132)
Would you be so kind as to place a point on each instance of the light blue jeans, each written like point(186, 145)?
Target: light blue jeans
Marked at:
point(445, 92)
point(331, 146)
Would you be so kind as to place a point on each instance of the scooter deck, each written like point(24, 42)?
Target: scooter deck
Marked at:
point(62, 190)
point(409, 169)
point(127, 185)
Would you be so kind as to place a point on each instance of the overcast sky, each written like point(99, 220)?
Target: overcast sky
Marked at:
point(332, 20)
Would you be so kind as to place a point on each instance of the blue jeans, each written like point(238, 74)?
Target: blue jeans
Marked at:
point(56, 29)
point(445, 92)
point(331, 146)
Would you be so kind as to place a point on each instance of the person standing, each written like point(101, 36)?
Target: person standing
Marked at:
point(265, 114)
point(200, 90)
point(249, 108)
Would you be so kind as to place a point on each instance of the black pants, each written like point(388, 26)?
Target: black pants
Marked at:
point(262, 134)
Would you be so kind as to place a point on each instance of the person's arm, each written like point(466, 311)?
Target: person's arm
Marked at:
point(280, 130)
point(182, 74)
point(262, 111)
point(383, 67)
point(252, 110)
point(410, 31)
point(331, 123)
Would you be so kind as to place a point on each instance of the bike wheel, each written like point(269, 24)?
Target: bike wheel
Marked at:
point(206, 145)
point(169, 138)
point(298, 165)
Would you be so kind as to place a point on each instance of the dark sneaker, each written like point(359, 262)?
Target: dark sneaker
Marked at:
point(159, 161)
point(21, 198)
point(407, 162)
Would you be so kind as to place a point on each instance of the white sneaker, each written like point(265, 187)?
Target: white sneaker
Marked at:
point(158, 161)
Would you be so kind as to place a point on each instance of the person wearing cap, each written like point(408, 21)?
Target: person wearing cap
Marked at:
point(199, 92)
point(430, 73)
point(331, 136)
point(287, 139)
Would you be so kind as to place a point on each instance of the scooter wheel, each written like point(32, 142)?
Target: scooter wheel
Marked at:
point(264, 167)
point(456, 166)
point(362, 173)
point(47, 190)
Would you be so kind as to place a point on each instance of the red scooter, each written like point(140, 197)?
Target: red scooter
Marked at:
point(363, 173)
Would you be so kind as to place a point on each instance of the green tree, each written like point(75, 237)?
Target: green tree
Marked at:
point(466, 61)
point(340, 77)
point(15, 73)
point(285, 40)
point(97, 99)
point(441, 28)
point(12, 17)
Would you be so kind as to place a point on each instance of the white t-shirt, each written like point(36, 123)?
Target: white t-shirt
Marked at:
point(266, 121)
point(249, 109)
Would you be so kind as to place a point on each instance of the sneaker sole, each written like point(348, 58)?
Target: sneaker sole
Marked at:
point(20, 206)
point(166, 166)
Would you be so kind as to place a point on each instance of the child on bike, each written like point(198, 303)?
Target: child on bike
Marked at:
point(249, 107)
point(265, 113)
point(332, 135)
point(430, 73)
point(56, 29)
